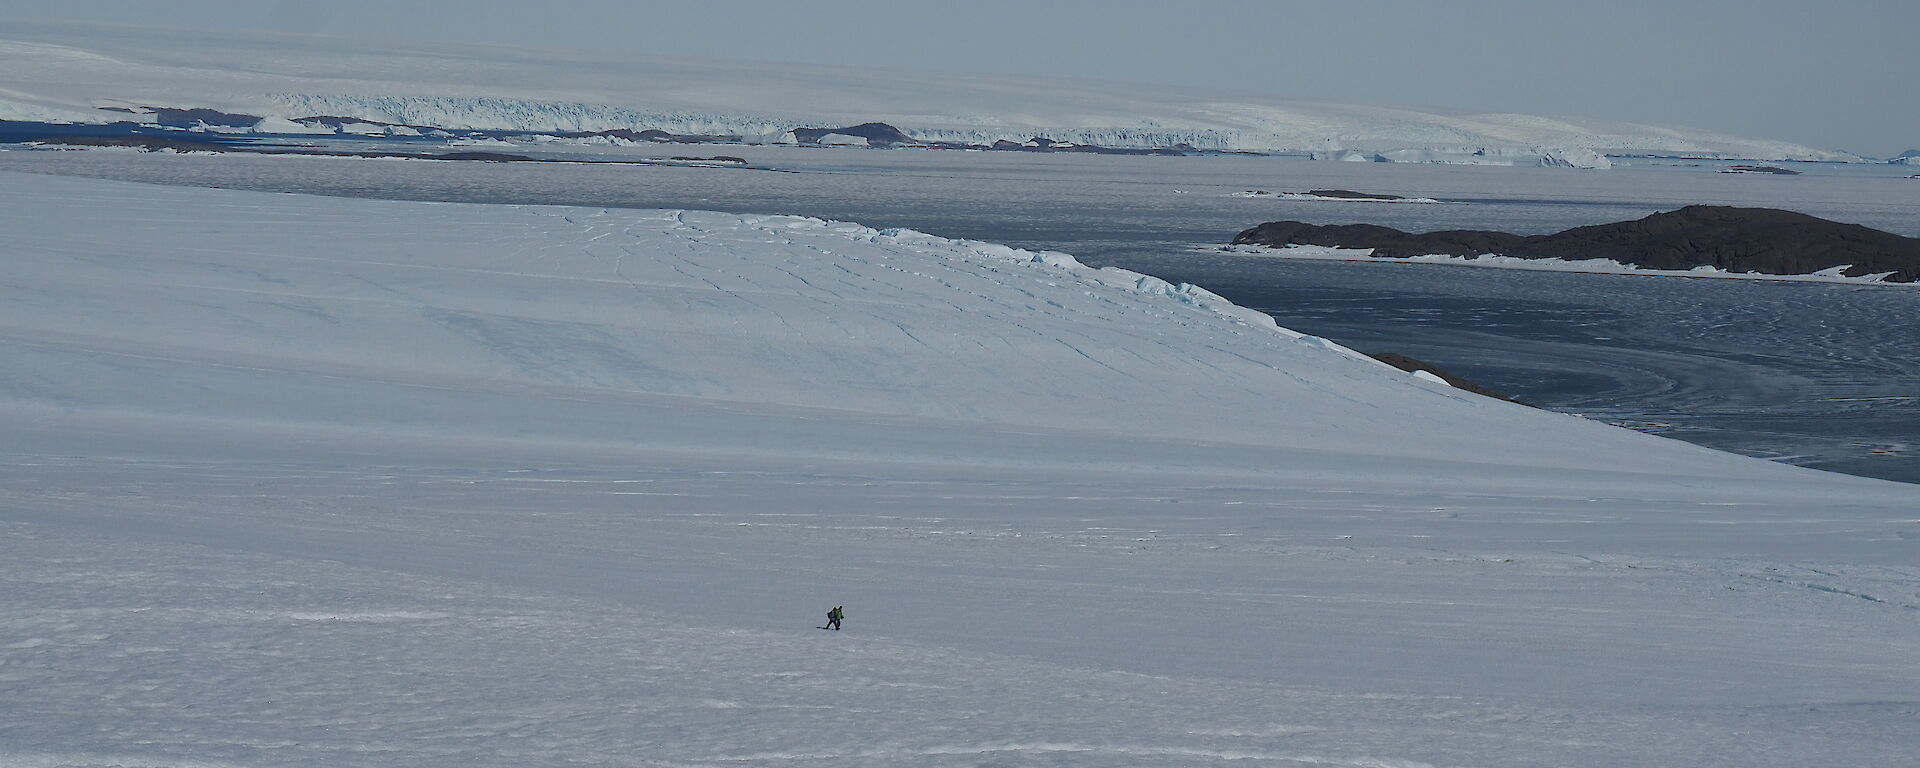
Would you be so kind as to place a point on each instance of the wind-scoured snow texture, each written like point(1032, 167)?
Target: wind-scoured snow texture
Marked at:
point(776, 310)
point(66, 70)
point(296, 481)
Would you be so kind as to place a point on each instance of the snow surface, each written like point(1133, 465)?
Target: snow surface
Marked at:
point(313, 481)
point(1590, 266)
point(65, 71)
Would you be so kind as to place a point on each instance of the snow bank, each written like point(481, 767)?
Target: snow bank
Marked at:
point(293, 480)
point(778, 310)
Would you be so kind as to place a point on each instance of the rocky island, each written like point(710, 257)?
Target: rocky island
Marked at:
point(1763, 240)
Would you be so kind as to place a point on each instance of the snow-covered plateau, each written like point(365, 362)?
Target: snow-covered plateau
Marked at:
point(292, 480)
point(97, 74)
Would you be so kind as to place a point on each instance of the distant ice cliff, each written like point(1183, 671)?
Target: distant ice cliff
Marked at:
point(83, 73)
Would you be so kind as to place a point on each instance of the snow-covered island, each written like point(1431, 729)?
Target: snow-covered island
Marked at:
point(293, 480)
point(256, 84)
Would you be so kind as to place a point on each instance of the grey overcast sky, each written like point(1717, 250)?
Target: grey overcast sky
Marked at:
point(1834, 74)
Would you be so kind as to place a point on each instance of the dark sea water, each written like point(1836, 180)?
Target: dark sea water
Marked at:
point(1822, 375)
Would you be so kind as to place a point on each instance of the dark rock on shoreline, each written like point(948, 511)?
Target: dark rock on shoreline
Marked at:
point(336, 121)
point(1348, 194)
point(1763, 240)
point(1410, 365)
point(654, 135)
point(188, 116)
point(651, 134)
point(876, 134)
point(1386, 242)
point(147, 120)
point(1775, 170)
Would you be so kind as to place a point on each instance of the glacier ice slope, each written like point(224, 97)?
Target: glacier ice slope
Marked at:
point(71, 71)
point(705, 307)
point(295, 480)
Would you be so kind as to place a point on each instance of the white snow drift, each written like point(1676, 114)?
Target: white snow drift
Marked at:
point(309, 481)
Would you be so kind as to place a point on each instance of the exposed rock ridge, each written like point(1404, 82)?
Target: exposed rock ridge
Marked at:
point(1411, 364)
point(1764, 240)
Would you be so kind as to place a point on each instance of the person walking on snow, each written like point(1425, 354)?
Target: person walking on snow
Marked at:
point(834, 616)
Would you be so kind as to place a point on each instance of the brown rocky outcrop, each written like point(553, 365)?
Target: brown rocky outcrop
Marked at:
point(1763, 240)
